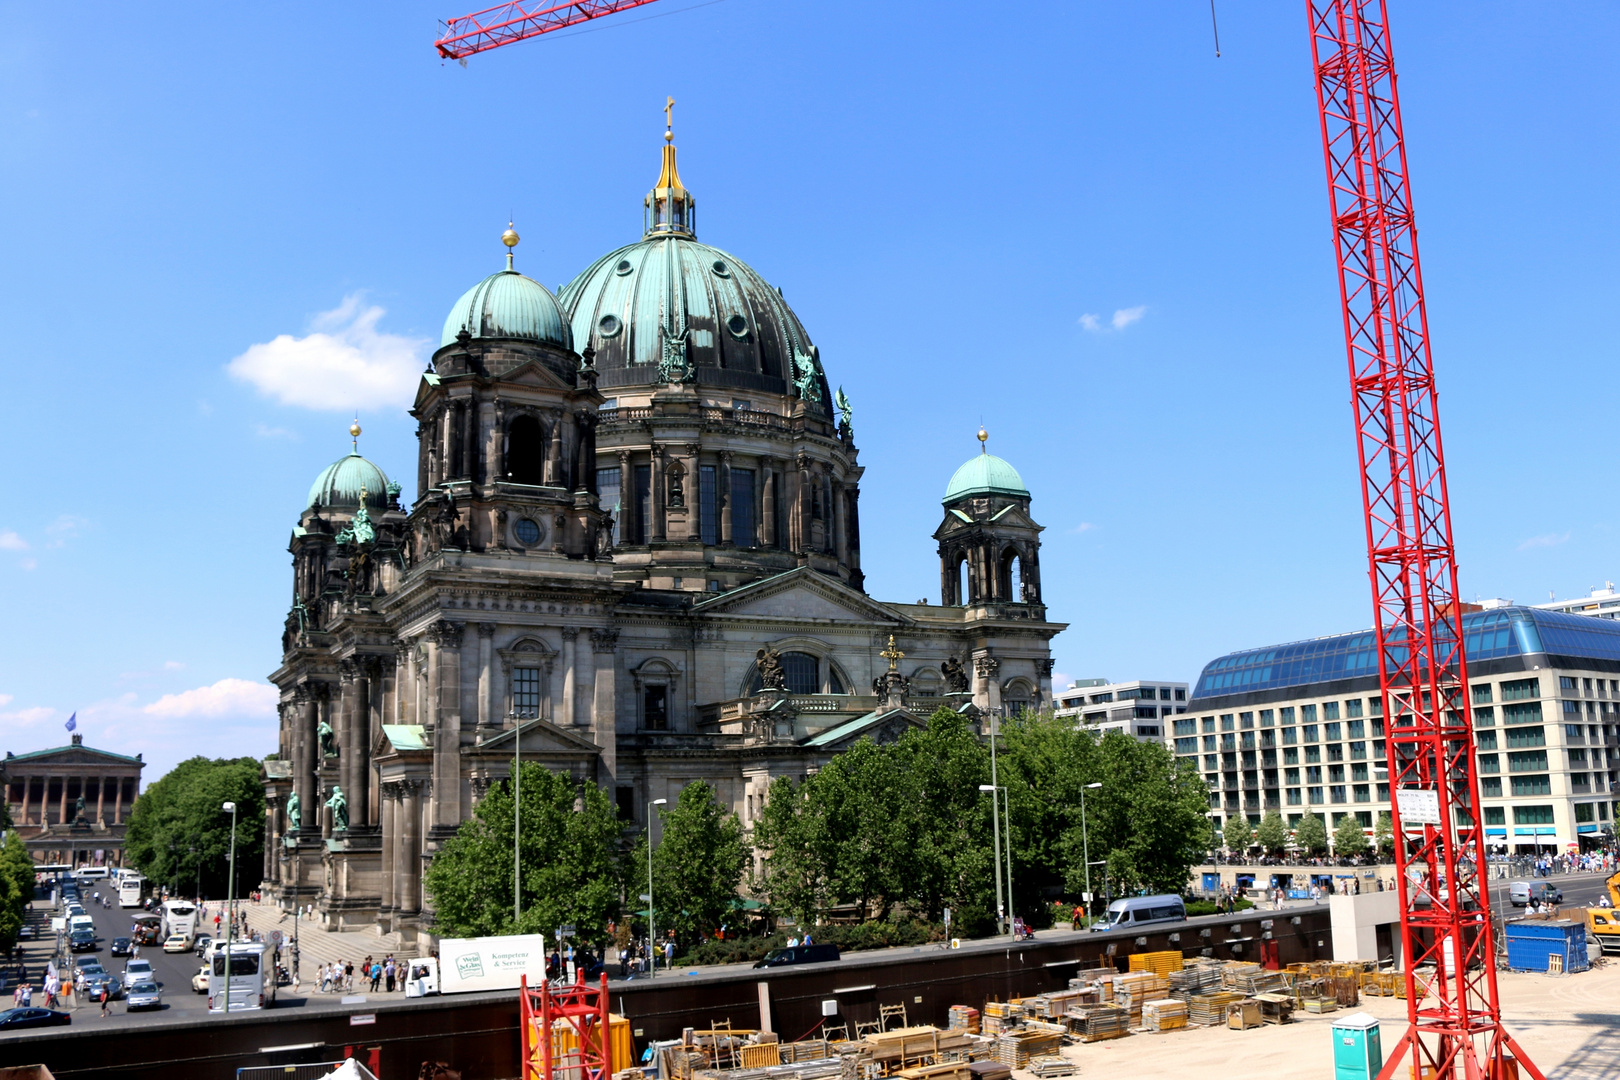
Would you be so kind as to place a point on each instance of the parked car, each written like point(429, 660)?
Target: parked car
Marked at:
point(87, 966)
point(82, 941)
point(177, 943)
point(144, 995)
point(138, 971)
point(17, 1019)
point(799, 954)
point(122, 946)
point(27, 933)
point(202, 943)
point(1522, 892)
point(199, 981)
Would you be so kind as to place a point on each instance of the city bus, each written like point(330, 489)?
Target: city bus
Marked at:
point(129, 889)
point(252, 982)
point(179, 917)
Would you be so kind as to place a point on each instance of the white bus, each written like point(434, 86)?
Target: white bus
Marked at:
point(129, 890)
point(179, 917)
point(252, 982)
point(90, 873)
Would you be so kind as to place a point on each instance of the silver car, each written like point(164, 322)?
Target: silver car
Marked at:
point(137, 972)
point(143, 996)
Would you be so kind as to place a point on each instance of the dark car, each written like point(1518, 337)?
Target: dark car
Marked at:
point(82, 940)
point(15, 1019)
point(799, 954)
point(121, 946)
point(93, 985)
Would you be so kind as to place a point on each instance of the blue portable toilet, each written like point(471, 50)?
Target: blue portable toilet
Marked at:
point(1357, 1052)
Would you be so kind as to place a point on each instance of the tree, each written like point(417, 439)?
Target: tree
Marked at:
point(16, 888)
point(1384, 833)
point(1272, 835)
point(1348, 839)
point(698, 863)
point(571, 865)
point(179, 835)
point(1239, 836)
point(1311, 834)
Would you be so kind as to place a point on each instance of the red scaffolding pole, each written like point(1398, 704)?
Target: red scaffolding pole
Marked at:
point(1453, 1011)
point(565, 1033)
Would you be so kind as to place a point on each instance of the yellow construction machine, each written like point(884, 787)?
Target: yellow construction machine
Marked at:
point(1604, 923)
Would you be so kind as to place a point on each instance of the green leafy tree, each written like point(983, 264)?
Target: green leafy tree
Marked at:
point(797, 851)
point(1272, 834)
point(1348, 838)
point(16, 888)
point(1311, 834)
point(1238, 835)
point(179, 836)
point(942, 822)
point(571, 865)
point(1384, 833)
point(697, 865)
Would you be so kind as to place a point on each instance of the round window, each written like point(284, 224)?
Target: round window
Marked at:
point(737, 325)
point(527, 532)
point(720, 268)
point(623, 268)
point(609, 325)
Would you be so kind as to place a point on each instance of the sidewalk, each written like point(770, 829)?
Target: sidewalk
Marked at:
point(317, 946)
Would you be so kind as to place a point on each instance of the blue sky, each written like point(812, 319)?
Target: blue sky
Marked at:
point(1067, 220)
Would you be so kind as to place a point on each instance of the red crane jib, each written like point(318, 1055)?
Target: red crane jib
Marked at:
point(1453, 1011)
point(506, 23)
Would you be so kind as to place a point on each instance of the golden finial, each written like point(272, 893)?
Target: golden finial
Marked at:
point(892, 655)
point(984, 436)
point(669, 120)
point(510, 238)
point(354, 433)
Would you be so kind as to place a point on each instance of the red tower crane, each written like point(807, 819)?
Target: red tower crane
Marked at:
point(1454, 1013)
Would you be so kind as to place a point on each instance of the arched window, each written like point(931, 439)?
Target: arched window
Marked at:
point(963, 581)
point(1008, 574)
point(526, 451)
point(803, 675)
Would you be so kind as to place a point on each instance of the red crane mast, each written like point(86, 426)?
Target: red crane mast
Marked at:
point(1454, 1014)
point(505, 23)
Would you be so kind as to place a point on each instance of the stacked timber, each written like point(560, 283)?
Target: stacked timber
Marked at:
point(1258, 981)
point(1208, 1010)
point(1166, 1014)
point(1015, 1048)
point(956, 1070)
point(1160, 963)
point(964, 1018)
point(990, 1070)
point(999, 1015)
point(807, 1050)
point(820, 1069)
point(1199, 977)
point(1098, 1022)
point(1132, 989)
point(1052, 1067)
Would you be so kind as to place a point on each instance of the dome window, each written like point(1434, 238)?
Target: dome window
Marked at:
point(738, 326)
point(720, 268)
point(609, 325)
point(623, 268)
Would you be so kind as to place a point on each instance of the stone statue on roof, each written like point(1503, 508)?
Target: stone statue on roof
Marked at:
point(339, 805)
point(772, 675)
point(295, 813)
point(328, 744)
point(956, 676)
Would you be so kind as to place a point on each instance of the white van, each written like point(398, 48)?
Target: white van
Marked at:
point(81, 922)
point(90, 873)
point(1137, 911)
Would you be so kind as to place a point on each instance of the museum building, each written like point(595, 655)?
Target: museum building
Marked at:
point(634, 556)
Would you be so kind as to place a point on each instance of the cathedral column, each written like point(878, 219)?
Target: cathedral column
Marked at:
point(722, 494)
point(390, 838)
point(304, 752)
point(410, 850)
point(656, 479)
point(469, 465)
point(801, 542)
point(628, 499)
point(447, 442)
point(768, 503)
point(604, 727)
point(585, 456)
point(101, 794)
point(989, 696)
point(118, 804)
point(349, 747)
point(445, 671)
point(267, 871)
point(569, 716)
point(554, 476)
point(486, 635)
point(840, 538)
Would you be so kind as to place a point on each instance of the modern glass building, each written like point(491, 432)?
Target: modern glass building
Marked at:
point(1300, 727)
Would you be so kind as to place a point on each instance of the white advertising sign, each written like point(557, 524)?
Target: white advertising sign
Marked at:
point(1418, 806)
point(491, 963)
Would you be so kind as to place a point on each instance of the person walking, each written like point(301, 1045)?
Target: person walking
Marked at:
point(104, 1001)
point(388, 973)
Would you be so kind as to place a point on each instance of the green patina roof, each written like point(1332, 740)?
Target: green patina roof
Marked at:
point(406, 736)
point(985, 474)
point(340, 482)
point(849, 727)
point(508, 305)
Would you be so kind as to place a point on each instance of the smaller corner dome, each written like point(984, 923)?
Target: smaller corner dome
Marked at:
point(340, 484)
point(508, 305)
point(985, 474)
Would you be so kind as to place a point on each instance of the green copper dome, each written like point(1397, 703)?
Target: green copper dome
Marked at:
point(508, 305)
point(339, 485)
point(985, 474)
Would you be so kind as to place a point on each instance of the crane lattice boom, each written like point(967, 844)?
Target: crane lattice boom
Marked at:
point(506, 23)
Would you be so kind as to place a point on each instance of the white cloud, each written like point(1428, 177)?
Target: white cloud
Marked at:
point(1544, 540)
point(1122, 318)
point(1125, 316)
point(1061, 680)
point(5, 699)
point(234, 698)
point(265, 431)
point(10, 541)
point(64, 528)
point(29, 564)
point(176, 665)
point(343, 363)
point(1083, 527)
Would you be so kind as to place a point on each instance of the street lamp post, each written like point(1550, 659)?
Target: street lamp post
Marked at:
point(1085, 845)
point(995, 823)
point(517, 813)
point(652, 934)
point(230, 906)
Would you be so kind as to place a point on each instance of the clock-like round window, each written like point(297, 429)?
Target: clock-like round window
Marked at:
point(527, 532)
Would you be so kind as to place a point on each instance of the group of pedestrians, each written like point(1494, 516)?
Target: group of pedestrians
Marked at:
point(340, 977)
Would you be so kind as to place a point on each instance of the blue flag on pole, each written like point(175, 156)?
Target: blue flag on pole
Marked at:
point(73, 722)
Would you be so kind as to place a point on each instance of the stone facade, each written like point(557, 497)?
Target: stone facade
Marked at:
point(71, 804)
point(641, 590)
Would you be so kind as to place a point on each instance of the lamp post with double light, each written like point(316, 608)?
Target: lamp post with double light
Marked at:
point(1085, 846)
point(230, 905)
point(995, 791)
point(652, 932)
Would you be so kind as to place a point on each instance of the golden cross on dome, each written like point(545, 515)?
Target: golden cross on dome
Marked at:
point(892, 655)
point(669, 116)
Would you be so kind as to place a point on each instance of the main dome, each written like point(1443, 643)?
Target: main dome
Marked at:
point(985, 474)
point(508, 305)
point(341, 482)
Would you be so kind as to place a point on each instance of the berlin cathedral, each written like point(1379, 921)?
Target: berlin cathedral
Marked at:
point(634, 556)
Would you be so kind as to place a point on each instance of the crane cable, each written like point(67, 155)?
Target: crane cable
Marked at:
point(1216, 28)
